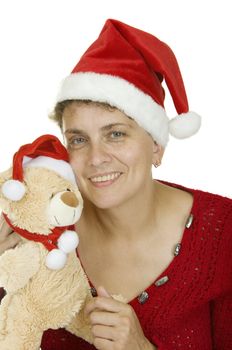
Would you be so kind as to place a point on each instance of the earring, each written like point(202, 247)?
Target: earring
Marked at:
point(157, 164)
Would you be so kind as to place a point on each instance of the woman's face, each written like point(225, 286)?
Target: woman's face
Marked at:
point(110, 154)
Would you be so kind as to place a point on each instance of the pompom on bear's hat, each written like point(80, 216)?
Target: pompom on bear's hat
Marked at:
point(125, 67)
point(46, 152)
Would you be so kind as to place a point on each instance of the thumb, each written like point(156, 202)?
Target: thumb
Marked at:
point(102, 292)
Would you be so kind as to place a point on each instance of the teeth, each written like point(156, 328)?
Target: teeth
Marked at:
point(105, 177)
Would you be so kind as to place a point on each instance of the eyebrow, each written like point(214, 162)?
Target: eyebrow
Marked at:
point(104, 128)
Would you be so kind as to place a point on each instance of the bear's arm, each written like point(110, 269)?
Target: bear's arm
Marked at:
point(18, 265)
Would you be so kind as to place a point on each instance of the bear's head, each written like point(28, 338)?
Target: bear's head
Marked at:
point(39, 196)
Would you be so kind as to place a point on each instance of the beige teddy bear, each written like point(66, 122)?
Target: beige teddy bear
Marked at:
point(44, 281)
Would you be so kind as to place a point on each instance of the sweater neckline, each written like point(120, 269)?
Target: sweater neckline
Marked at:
point(184, 241)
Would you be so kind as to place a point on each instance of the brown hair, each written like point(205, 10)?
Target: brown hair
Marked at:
point(58, 111)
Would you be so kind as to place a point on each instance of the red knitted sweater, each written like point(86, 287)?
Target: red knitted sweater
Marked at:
point(193, 309)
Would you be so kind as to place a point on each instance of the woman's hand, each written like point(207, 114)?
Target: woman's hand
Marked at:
point(115, 325)
point(8, 239)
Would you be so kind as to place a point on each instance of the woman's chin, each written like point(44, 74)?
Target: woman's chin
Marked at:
point(106, 205)
point(106, 201)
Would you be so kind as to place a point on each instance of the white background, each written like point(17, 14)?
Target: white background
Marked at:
point(41, 41)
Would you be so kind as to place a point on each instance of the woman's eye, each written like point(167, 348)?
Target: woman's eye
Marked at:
point(117, 134)
point(77, 141)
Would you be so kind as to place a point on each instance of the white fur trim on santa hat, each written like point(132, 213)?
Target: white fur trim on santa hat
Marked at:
point(185, 125)
point(60, 166)
point(121, 94)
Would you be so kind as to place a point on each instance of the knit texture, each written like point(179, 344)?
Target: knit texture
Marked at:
point(193, 310)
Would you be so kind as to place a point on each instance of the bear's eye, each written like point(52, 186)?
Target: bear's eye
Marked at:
point(68, 189)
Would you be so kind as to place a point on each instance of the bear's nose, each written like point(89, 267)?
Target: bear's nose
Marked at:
point(70, 199)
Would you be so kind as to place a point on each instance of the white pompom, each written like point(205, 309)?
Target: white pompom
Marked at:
point(13, 190)
point(68, 241)
point(56, 259)
point(185, 125)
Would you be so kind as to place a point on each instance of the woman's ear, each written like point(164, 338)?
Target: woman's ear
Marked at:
point(158, 152)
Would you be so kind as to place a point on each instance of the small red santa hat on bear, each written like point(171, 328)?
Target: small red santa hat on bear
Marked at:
point(45, 152)
point(125, 67)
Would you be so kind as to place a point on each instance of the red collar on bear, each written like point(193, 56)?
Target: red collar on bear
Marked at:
point(49, 241)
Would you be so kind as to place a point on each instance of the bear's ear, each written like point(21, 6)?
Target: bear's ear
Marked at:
point(4, 176)
point(1, 179)
point(9, 188)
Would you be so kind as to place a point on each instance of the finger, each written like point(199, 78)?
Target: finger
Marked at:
point(104, 318)
point(103, 344)
point(101, 331)
point(5, 229)
point(102, 292)
point(13, 239)
point(10, 242)
point(105, 304)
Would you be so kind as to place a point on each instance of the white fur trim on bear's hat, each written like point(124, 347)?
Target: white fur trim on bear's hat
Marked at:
point(125, 67)
point(59, 166)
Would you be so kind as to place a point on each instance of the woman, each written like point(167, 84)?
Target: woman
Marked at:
point(165, 248)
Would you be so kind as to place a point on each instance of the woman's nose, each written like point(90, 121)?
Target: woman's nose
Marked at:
point(98, 154)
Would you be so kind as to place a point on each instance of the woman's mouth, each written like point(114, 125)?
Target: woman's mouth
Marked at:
point(104, 180)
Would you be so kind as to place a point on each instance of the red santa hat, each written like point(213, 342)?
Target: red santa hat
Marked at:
point(125, 67)
point(45, 152)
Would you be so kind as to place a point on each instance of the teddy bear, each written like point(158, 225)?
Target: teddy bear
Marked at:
point(44, 281)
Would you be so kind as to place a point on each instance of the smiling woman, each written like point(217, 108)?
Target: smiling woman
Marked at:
point(165, 248)
point(111, 152)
